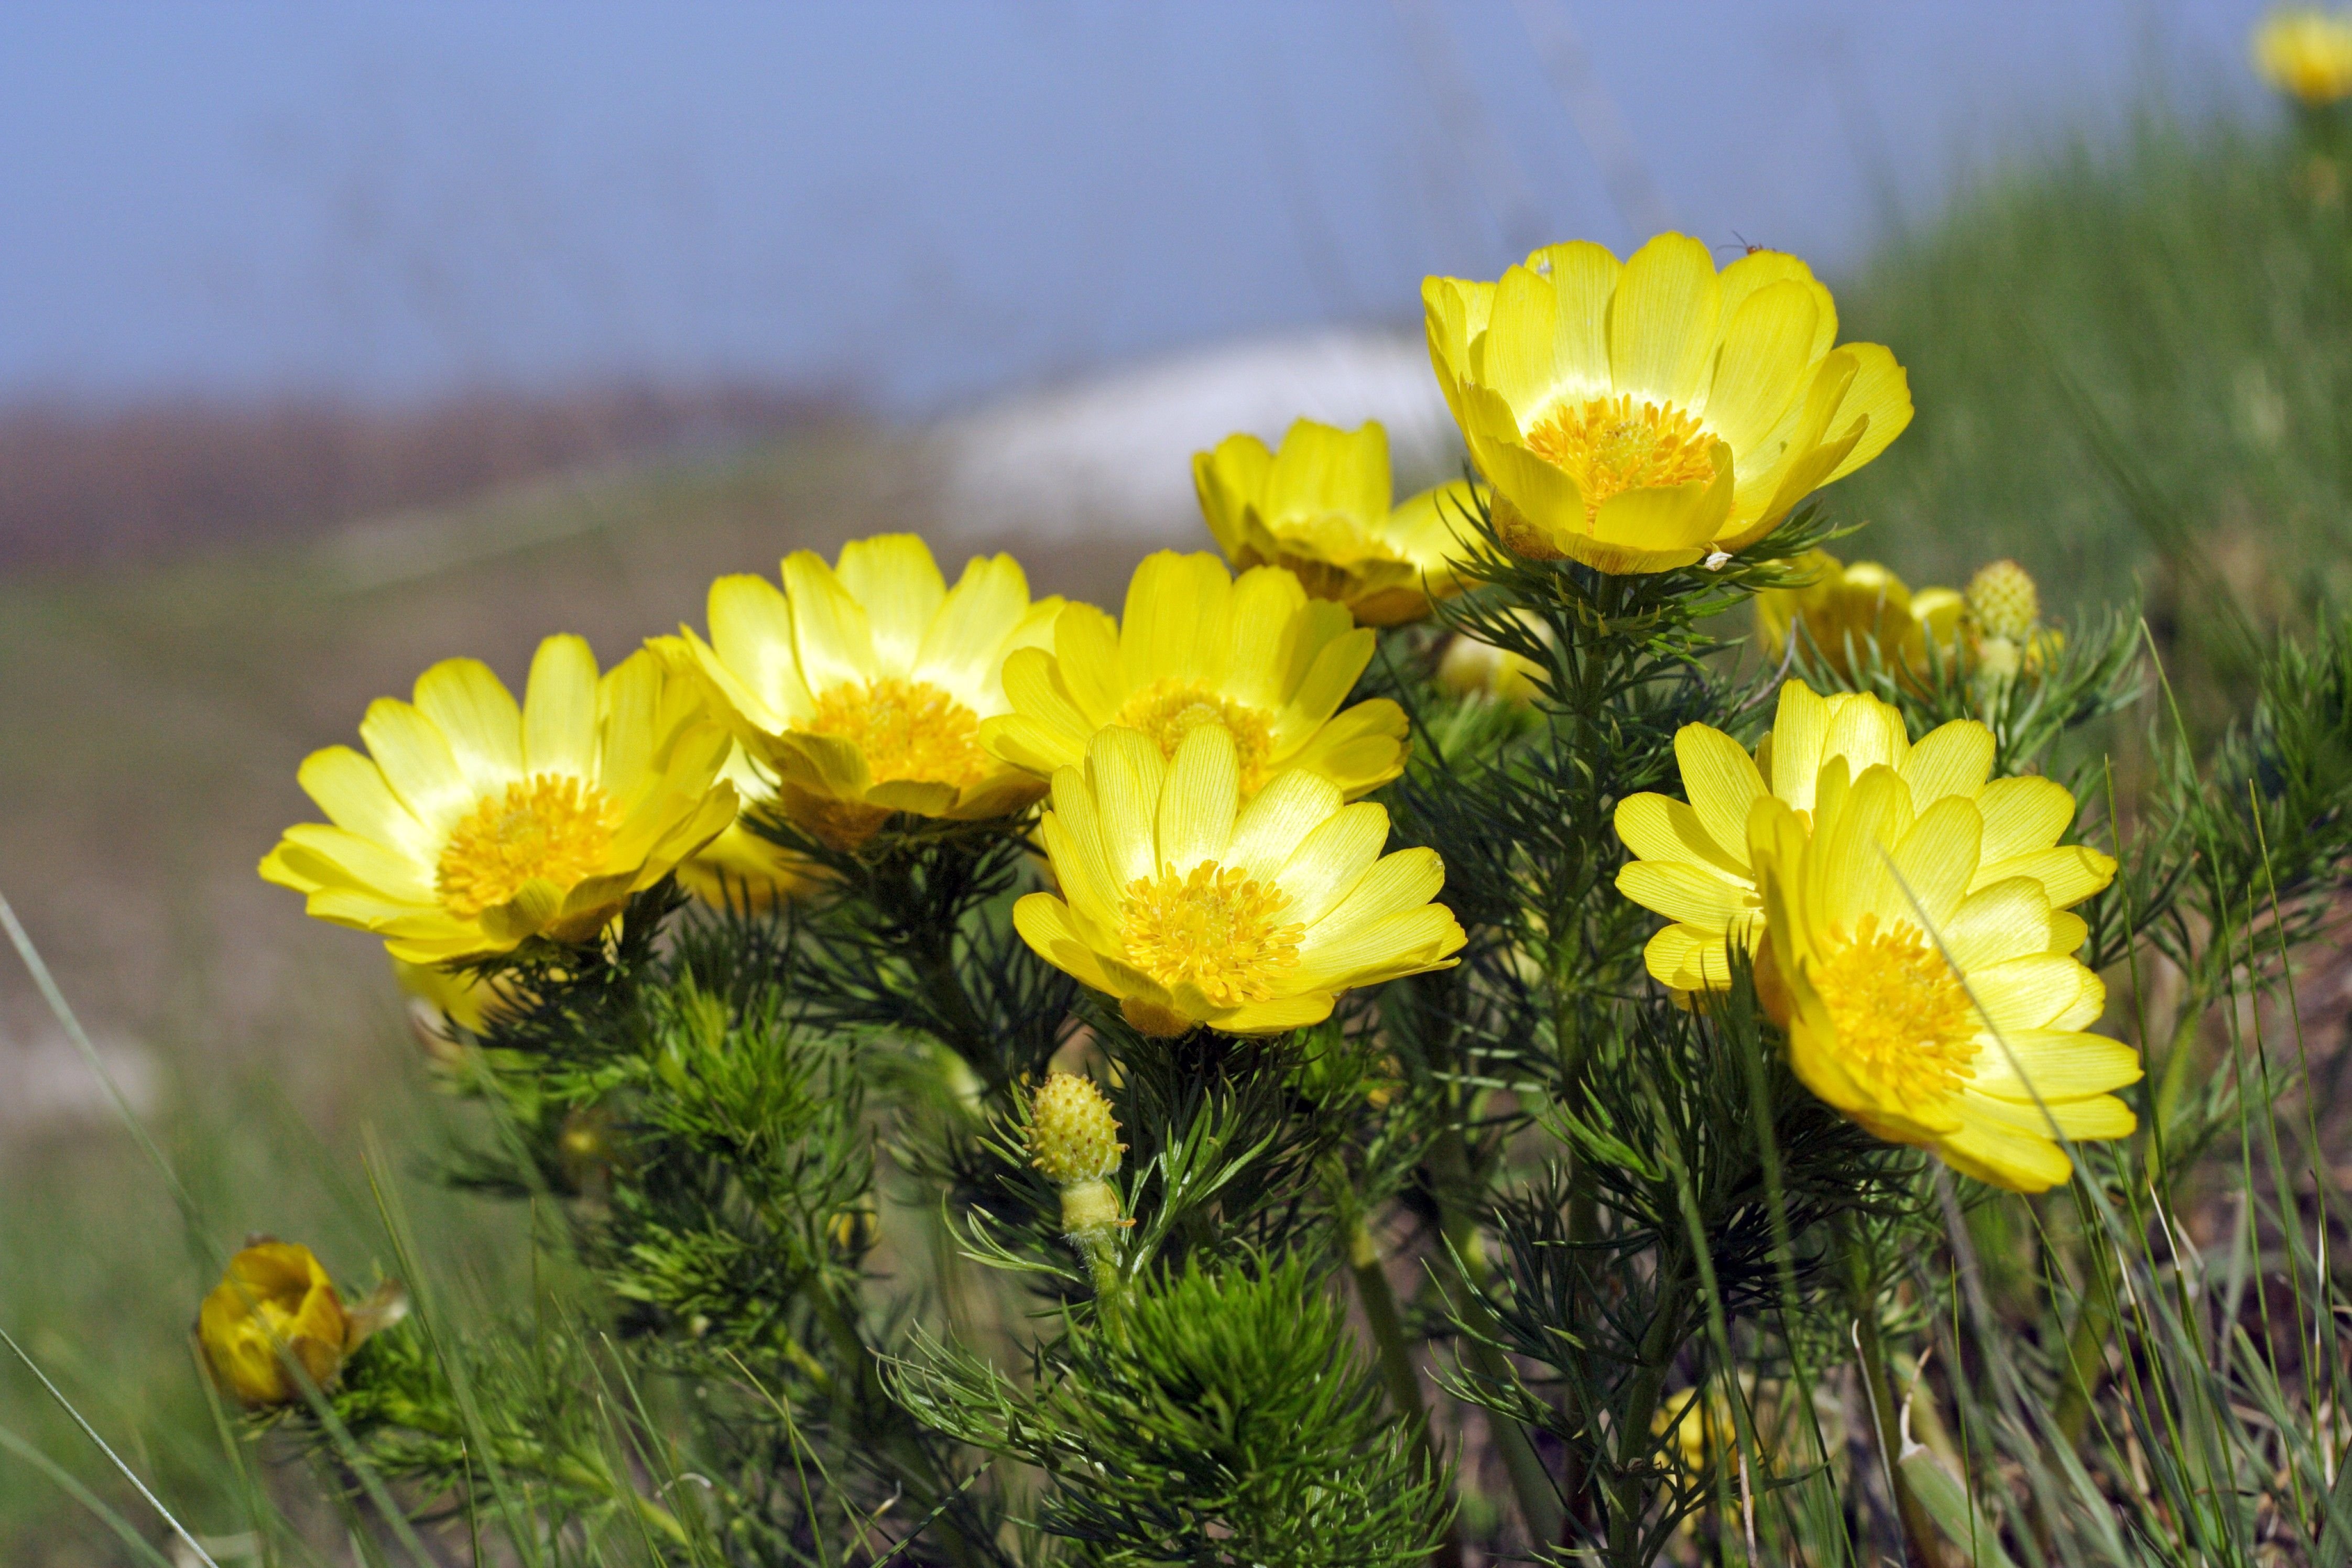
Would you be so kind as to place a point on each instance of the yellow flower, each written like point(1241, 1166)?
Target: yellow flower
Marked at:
point(1846, 610)
point(476, 824)
point(1926, 993)
point(274, 1303)
point(1691, 862)
point(861, 686)
point(1256, 658)
point(1320, 509)
point(1470, 668)
point(1636, 417)
point(2307, 51)
point(1193, 908)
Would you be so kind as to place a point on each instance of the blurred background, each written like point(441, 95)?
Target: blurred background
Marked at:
point(337, 339)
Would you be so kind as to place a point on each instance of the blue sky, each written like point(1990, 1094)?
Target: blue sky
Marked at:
point(919, 204)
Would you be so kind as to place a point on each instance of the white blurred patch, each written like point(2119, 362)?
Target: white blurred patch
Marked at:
point(45, 1084)
point(1114, 454)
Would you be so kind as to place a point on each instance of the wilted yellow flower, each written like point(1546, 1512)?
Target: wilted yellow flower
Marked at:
point(1846, 610)
point(1321, 509)
point(861, 686)
point(1635, 417)
point(476, 824)
point(1193, 908)
point(274, 1301)
point(1928, 994)
point(1256, 658)
point(1691, 862)
point(2307, 51)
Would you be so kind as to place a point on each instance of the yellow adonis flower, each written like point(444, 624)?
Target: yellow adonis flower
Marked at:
point(1193, 907)
point(1254, 658)
point(274, 1303)
point(861, 687)
point(475, 824)
point(1635, 417)
point(1691, 862)
point(1846, 610)
point(2307, 52)
point(1320, 507)
point(1927, 994)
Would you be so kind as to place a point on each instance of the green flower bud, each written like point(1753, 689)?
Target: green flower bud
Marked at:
point(2004, 602)
point(1073, 1138)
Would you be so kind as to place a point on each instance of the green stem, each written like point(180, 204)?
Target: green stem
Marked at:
point(1397, 1368)
point(1531, 1484)
point(1631, 1488)
point(1922, 1542)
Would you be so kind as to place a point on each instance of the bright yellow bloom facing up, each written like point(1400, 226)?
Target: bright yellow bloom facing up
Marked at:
point(1691, 862)
point(1193, 907)
point(474, 824)
point(1635, 417)
point(1929, 994)
point(861, 686)
point(1846, 611)
point(1320, 508)
point(2307, 52)
point(274, 1303)
point(1256, 658)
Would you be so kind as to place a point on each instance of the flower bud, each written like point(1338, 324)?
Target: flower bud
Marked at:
point(1073, 1138)
point(275, 1304)
point(2003, 602)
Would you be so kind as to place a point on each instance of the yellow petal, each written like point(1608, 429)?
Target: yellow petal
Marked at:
point(1951, 759)
point(1125, 773)
point(478, 717)
point(1723, 784)
point(1846, 873)
point(1760, 270)
point(1584, 276)
point(1358, 749)
point(1275, 823)
point(1767, 346)
point(1331, 861)
point(2028, 992)
point(894, 579)
point(2051, 1066)
point(1175, 619)
point(2022, 814)
point(1228, 481)
point(752, 636)
point(1866, 733)
point(1801, 728)
point(416, 763)
point(1327, 684)
point(1087, 653)
point(1272, 638)
point(1514, 357)
point(1324, 469)
point(2008, 919)
point(352, 790)
point(962, 647)
point(1396, 883)
point(2005, 1156)
point(1657, 828)
point(1197, 800)
point(1662, 320)
point(829, 627)
point(2069, 873)
point(1376, 951)
point(1881, 393)
point(558, 709)
point(1687, 894)
point(1685, 958)
point(1278, 1017)
point(1043, 922)
point(1932, 865)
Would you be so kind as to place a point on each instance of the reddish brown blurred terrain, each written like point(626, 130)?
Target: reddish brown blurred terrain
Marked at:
point(131, 483)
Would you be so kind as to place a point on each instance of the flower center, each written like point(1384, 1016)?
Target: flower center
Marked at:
point(1902, 1018)
point(1216, 928)
point(1609, 446)
point(552, 827)
point(907, 730)
point(1170, 709)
